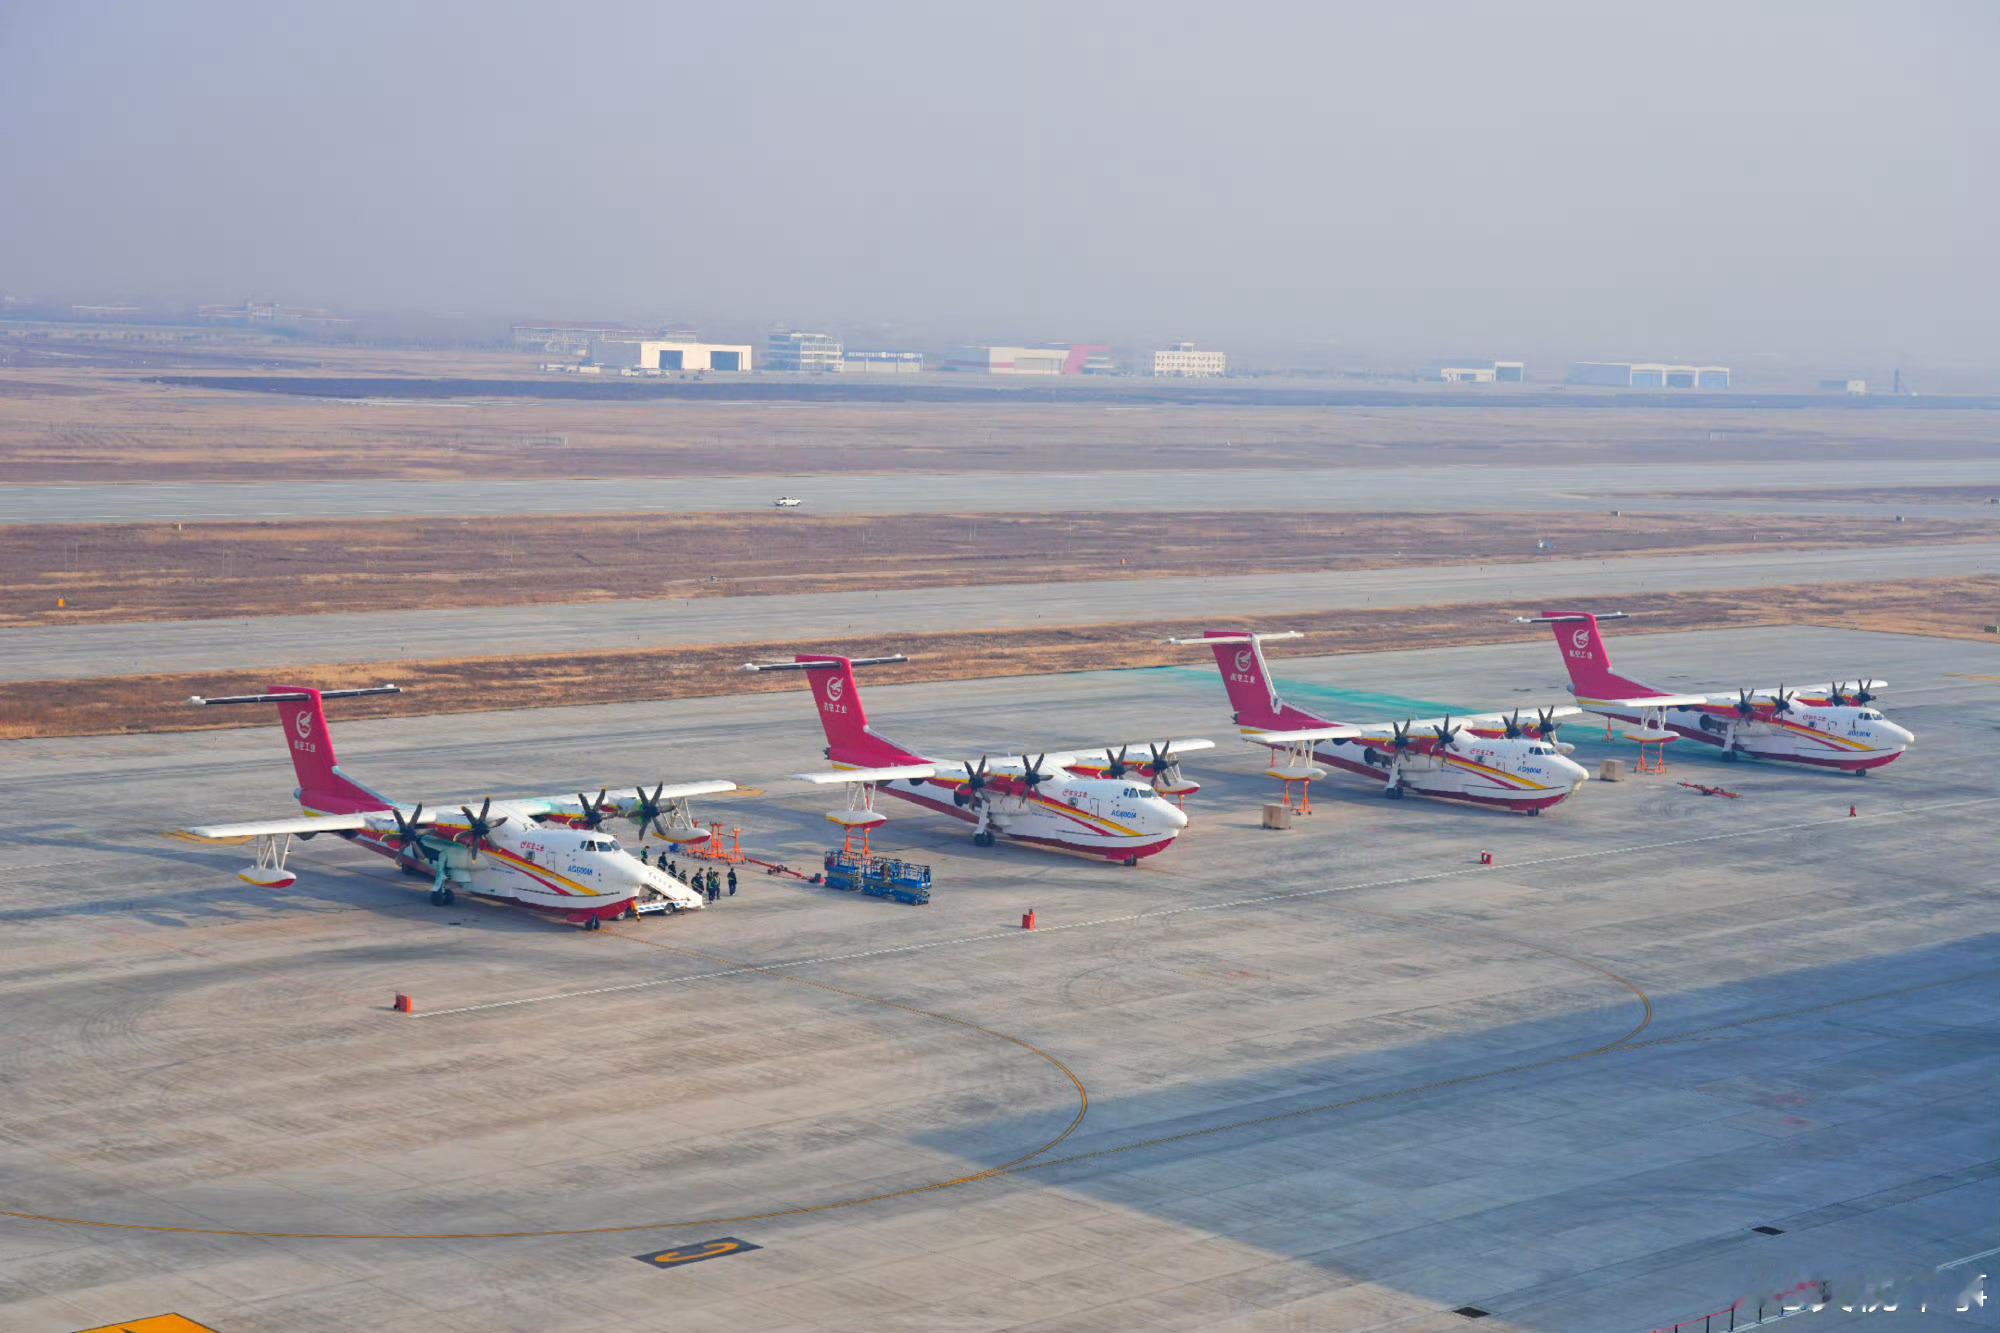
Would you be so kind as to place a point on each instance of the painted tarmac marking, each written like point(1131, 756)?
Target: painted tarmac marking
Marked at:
point(1262, 900)
point(694, 1254)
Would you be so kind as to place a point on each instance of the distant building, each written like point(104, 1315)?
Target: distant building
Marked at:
point(881, 363)
point(269, 312)
point(663, 356)
point(1054, 359)
point(106, 311)
point(1856, 387)
point(1182, 360)
point(1648, 375)
point(808, 352)
point(1497, 372)
point(572, 338)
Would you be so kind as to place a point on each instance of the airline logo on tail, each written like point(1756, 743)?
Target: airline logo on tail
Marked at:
point(1246, 662)
point(1581, 639)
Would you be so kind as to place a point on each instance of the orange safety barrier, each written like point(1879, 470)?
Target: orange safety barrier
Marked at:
point(1028, 919)
point(717, 848)
point(405, 1005)
point(1305, 801)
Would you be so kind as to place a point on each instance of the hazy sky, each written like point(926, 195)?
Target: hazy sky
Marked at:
point(1687, 179)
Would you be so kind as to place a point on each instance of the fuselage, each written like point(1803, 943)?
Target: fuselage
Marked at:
point(1853, 738)
point(1114, 818)
point(1514, 773)
point(577, 872)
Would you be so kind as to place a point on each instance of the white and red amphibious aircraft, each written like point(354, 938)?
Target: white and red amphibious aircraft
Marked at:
point(1826, 726)
point(548, 854)
point(1098, 803)
point(1493, 759)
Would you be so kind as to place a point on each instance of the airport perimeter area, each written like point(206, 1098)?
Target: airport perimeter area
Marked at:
point(1338, 1077)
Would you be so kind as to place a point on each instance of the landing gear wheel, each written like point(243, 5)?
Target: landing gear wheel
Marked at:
point(1131, 861)
point(1534, 810)
point(450, 896)
point(983, 838)
point(1394, 791)
point(1729, 756)
point(437, 897)
point(593, 923)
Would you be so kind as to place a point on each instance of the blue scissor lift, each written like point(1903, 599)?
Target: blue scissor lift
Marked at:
point(879, 877)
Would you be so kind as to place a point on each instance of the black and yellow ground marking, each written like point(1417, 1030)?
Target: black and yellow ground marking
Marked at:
point(694, 1254)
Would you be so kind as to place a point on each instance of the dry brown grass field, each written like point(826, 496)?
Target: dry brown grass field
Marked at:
point(1955, 608)
point(97, 425)
point(127, 572)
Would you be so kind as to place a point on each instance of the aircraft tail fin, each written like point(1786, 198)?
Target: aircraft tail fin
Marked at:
point(849, 739)
point(1588, 660)
point(323, 788)
point(1239, 655)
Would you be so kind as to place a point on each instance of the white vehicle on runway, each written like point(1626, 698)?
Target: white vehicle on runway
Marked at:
point(1492, 759)
point(1822, 726)
point(1093, 802)
point(549, 854)
point(787, 502)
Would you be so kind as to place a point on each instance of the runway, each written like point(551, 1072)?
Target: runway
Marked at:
point(1553, 489)
point(80, 651)
point(1343, 1077)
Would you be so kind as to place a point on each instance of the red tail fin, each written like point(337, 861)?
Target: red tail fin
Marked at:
point(1248, 681)
point(838, 699)
point(1588, 660)
point(322, 786)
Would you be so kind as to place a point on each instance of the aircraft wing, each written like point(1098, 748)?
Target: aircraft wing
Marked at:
point(1477, 721)
point(306, 824)
point(1329, 733)
point(1657, 701)
point(1136, 752)
point(894, 774)
point(622, 799)
point(1807, 691)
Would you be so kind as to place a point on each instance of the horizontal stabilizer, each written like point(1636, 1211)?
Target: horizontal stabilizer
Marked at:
point(301, 824)
point(895, 774)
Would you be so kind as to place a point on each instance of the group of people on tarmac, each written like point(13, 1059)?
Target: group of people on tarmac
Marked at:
point(708, 883)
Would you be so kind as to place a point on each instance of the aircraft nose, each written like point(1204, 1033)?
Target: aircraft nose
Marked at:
point(1574, 771)
point(1175, 816)
point(1902, 736)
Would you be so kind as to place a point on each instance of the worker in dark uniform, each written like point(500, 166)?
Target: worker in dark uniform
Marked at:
point(673, 867)
point(732, 881)
point(714, 886)
point(644, 852)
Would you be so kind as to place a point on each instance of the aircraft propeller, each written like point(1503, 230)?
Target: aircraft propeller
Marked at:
point(479, 826)
point(593, 811)
point(1163, 758)
point(1445, 733)
point(1031, 771)
point(1782, 701)
point(1744, 706)
point(1399, 738)
point(1841, 695)
point(647, 811)
point(1117, 767)
point(1546, 725)
point(967, 792)
point(410, 834)
point(1512, 725)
